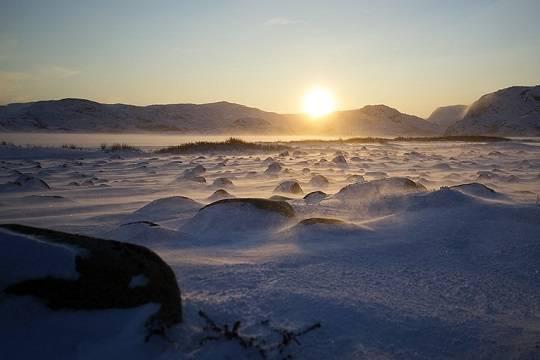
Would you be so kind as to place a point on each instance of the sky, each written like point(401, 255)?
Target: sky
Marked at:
point(413, 55)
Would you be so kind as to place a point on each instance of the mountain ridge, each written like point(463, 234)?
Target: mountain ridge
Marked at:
point(512, 111)
point(74, 114)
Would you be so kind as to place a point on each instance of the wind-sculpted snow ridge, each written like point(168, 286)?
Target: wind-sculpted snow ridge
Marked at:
point(25, 182)
point(166, 208)
point(326, 230)
point(145, 233)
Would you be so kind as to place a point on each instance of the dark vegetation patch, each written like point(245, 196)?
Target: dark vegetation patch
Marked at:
point(229, 145)
point(281, 207)
point(119, 147)
point(265, 347)
point(106, 270)
point(71, 147)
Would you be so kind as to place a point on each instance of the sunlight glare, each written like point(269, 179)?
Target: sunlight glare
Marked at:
point(318, 102)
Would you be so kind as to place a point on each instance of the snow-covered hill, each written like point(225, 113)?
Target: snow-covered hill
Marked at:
point(514, 111)
point(378, 120)
point(217, 118)
point(445, 116)
point(85, 115)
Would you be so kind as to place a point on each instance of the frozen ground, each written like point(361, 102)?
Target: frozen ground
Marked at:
point(410, 271)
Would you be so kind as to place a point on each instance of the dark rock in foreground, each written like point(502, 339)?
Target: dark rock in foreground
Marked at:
point(107, 270)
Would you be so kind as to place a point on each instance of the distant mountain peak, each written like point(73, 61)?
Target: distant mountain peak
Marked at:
point(513, 111)
point(446, 116)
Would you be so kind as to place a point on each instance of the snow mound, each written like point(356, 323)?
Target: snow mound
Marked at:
point(289, 186)
point(377, 189)
point(319, 180)
point(340, 161)
point(166, 208)
point(25, 183)
point(315, 197)
point(194, 174)
point(325, 229)
point(445, 197)
point(479, 190)
point(268, 161)
point(220, 194)
point(273, 168)
point(355, 179)
point(239, 215)
point(223, 182)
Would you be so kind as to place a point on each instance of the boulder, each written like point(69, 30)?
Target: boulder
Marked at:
point(76, 272)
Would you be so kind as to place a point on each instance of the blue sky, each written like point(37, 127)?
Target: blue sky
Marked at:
point(412, 55)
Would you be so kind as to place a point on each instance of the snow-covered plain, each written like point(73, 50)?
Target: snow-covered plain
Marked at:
point(444, 266)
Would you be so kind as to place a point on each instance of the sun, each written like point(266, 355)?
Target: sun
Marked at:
point(318, 102)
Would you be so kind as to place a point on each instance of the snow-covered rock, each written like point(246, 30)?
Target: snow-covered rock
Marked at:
point(166, 208)
point(76, 272)
point(340, 161)
point(377, 189)
point(318, 180)
point(289, 186)
point(239, 215)
point(315, 197)
point(273, 168)
point(220, 194)
point(223, 182)
point(25, 183)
